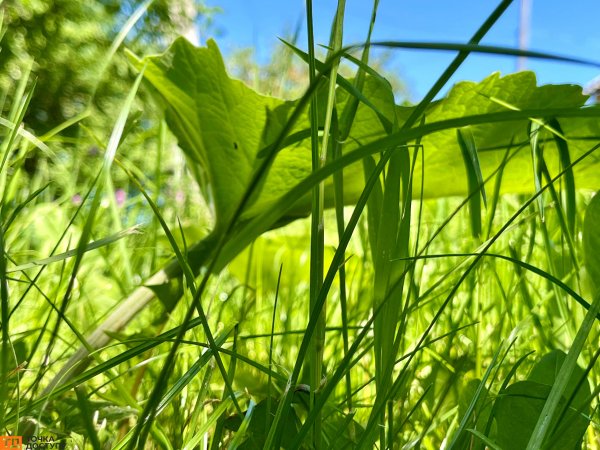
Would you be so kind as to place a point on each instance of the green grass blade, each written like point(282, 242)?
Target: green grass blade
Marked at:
point(474, 177)
point(474, 47)
point(8, 145)
point(317, 228)
point(241, 432)
point(199, 434)
point(87, 414)
point(349, 112)
point(352, 89)
point(70, 253)
point(15, 212)
point(5, 345)
point(464, 421)
point(569, 180)
point(497, 186)
point(486, 440)
point(31, 138)
point(271, 347)
point(338, 180)
point(118, 40)
point(318, 222)
point(192, 372)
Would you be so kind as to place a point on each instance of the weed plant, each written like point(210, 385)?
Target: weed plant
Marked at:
point(347, 273)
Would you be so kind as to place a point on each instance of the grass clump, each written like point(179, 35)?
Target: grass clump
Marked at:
point(444, 280)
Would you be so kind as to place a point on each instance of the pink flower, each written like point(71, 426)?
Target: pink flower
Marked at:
point(120, 197)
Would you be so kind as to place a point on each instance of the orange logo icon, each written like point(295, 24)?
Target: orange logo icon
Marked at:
point(11, 443)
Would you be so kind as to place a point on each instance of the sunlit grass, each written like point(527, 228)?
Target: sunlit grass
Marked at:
point(432, 308)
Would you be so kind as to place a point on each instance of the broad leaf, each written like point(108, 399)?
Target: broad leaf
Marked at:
point(546, 370)
point(219, 122)
point(591, 241)
point(224, 127)
point(520, 405)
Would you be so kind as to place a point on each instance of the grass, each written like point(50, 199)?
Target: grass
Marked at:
point(396, 322)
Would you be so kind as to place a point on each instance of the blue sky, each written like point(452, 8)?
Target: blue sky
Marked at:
point(557, 26)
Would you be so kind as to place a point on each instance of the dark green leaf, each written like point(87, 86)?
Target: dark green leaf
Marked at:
point(591, 240)
point(518, 410)
point(546, 370)
point(519, 407)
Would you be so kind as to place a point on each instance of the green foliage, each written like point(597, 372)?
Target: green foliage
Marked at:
point(207, 110)
point(210, 111)
point(474, 177)
point(482, 409)
point(67, 41)
point(410, 304)
point(591, 241)
point(520, 405)
point(260, 422)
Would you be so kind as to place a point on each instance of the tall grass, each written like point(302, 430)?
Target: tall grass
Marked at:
point(403, 324)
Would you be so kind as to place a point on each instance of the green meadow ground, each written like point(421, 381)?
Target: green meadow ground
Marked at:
point(429, 279)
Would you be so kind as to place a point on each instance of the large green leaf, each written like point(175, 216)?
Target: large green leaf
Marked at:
point(591, 241)
point(219, 122)
point(223, 125)
point(444, 174)
point(520, 405)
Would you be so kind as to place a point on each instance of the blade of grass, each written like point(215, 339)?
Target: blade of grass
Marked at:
point(464, 421)
point(5, 346)
point(497, 186)
point(87, 414)
point(470, 156)
point(118, 40)
point(271, 346)
point(219, 411)
point(317, 228)
point(8, 145)
point(15, 212)
point(487, 441)
point(241, 432)
point(338, 180)
point(191, 373)
point(475, 47)
point(70, 253)
point(318, 206)
point(565, 161)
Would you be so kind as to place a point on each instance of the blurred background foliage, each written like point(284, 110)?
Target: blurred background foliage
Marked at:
point(60, 48)
point(67, 41)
